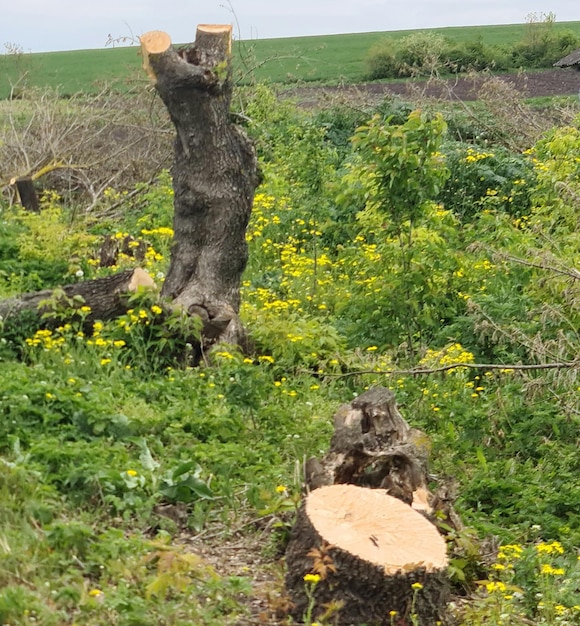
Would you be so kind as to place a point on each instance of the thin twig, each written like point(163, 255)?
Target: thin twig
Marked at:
point(571, 273)
point(446, 368)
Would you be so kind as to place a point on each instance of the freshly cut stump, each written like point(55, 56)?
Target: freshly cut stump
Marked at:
point(369, 549)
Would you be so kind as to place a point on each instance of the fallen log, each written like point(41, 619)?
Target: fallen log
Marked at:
point(369, 511)
point(372, 557)
point(106, 297)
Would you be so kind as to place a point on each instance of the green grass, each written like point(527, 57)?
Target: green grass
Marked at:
point(103, 433)
point(328, 58)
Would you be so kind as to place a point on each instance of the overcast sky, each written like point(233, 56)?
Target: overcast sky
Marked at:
point(45, 25)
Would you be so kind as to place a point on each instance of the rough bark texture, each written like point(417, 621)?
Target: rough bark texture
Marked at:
point(214, 178)
point(365, 590)
point(27, 194)
point(105, 296)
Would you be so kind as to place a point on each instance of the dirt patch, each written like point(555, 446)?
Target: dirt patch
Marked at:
point(556, 82)
point(249, 552)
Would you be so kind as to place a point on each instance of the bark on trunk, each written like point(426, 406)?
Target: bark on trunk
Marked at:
point(214, 177)
point(27, 194)
point(106, 297)
point(379, 561)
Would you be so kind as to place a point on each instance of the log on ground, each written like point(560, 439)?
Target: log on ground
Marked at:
point(375, 555)
point(106, 297)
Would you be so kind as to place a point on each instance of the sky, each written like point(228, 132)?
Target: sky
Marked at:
point(51, 25)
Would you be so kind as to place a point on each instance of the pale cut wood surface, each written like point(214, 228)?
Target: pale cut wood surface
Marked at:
point(155, 41)
point(377, 528)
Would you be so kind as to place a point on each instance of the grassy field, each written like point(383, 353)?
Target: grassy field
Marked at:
point(329, 58)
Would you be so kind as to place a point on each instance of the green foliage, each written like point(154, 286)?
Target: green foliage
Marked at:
point(401, 249)
point(414, 55)
point(399, 169)
point(426, 53)
point(482, 179)
point(396, 173)
point(542, 45)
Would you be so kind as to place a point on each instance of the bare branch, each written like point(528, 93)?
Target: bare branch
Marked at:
point(421, 371)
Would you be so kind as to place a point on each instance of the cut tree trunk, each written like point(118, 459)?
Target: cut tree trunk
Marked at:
point(214, 177)
point(106, 297)
point(368, 498)
point(379, 561)
point(27, 193)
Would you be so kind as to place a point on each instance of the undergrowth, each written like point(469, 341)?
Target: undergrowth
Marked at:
point(402, 250)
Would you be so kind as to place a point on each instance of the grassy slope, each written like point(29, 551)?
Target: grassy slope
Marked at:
point(319, 58)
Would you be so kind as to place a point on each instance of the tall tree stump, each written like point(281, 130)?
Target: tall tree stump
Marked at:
point(214, 177)
point(27, 193)
point(377, 559)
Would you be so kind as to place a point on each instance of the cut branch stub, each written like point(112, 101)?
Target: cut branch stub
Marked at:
point(214, 177)
point(369, 549)
point(27, 193)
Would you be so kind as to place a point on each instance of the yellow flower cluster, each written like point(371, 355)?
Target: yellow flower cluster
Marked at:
point(451, 355)
point(162, 231)
point(46, 340)
point(510, 552)
point(472, 156)
point(312, 578)
point(550, 548)
point(551, 571)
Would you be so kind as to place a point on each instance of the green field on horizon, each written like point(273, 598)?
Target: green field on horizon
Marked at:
point(322, 58)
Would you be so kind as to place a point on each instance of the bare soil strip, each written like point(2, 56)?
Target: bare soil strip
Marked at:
point(556, 82)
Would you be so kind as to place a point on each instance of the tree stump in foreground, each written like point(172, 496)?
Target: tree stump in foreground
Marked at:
point(370, 516)
point(378, 559)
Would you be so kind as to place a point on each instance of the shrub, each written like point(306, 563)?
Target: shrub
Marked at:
point(497, 176)
point(542, 46)
point(475, 55)
point(382, 61)
point(421, 53)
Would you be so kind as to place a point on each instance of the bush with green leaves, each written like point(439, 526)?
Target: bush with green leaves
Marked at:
point(542, 44)
point(480, 177)
point(417, 54)
point(427, 53)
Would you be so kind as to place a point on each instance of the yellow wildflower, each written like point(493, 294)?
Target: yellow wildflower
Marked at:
point(312, 578)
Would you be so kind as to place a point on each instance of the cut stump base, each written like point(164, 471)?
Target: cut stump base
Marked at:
point(370, 549)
